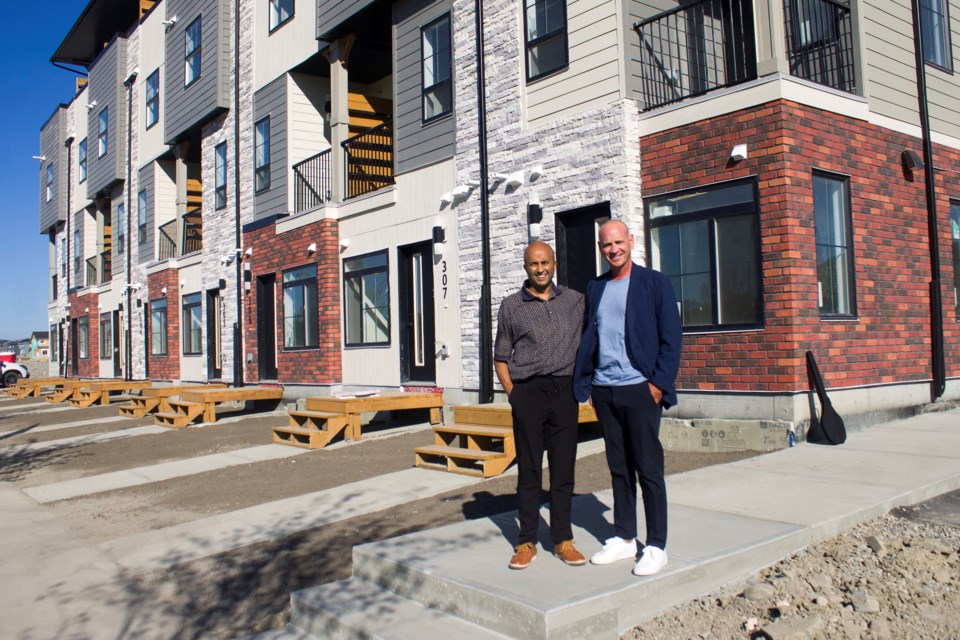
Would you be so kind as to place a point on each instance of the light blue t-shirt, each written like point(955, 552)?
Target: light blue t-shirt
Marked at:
point(614, 368)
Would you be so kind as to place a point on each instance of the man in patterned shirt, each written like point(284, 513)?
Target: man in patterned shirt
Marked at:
point(538, 331)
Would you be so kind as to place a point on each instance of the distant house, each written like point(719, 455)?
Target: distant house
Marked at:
point(39, 346)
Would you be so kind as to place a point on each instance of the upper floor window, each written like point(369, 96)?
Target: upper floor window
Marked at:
point(834, 237)
point(366, 294)
point(192, 51)
point(435, 58)
point(955, 241)
point(261, 151)
point(220, 175)
point(707, 241)
point(49, 181)
point(152, 90)
point(77, 250)
point(82, 159)
point(300, 320)
point(121, 227)
point(935, 33)
point(192, 324)
point(280, 12)
point(546, 36)
point(142, 217)
point(103, 131)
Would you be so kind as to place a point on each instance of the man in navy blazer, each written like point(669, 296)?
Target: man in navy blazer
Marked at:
point(626, 367)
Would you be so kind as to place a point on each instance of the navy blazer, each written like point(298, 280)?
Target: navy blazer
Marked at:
point(652, 332)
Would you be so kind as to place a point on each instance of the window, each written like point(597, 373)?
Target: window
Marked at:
point(153, 98)
point(280, 12)
point(191, 52)
point(83, 336)
point(935, 33)
point(300, 325)
point(54, 344)
point(142, 217)
point(831, 221)
point(707, 241)
point(435, 59)
point(261, 150)
point(82, 159)
point(158, 327)
point(546, 36)
point(192, 325)
point(367, 300)
point(103, 132)
point(77, 250)
point(121, 227)
point(220, 175)
point(955, 241)
point(49, 182)
point(106, 337)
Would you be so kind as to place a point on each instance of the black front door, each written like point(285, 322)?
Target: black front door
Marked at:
point(417, 328)
point(61, 354)
point(214, 342)
point(267, 327)
point(117, 368)
point(74, 347)
point(578, 258)
point(148, 342)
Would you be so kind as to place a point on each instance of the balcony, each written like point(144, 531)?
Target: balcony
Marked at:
point(691, 50)
point(100, 265)
point(191, 236)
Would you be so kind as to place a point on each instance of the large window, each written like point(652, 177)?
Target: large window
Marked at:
point(955, 241)
point(280, 12)
point(261, 159)
point(192, 324)
point(77, 250)
point(121, 227)
point(54, 344)
point(435, 59)
point(546, 36)
point(220, 175)
point(142, 217)
point(707, 241)
point(103, 132)
point(158, 327)
point(106, 337)
point(935, 33)
point(49, 182)
point(191, 52)
point(300, 324)
point(831, 212)
point(366, 297)
point(152, 90)
point(83, 336)
point(82, 159)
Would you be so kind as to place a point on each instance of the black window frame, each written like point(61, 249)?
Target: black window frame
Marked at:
point(306, 282)
point(156, 307)
point(261, 170)
point(77, 249)
point(220, 171)
point(711, 215)
point(121, 213)
point(103, 132)
point(82, 159)
point(106, 341)
point(359, 275)
point(83, 337)
point(271, 27)
point(142, 216)
point(447, 84)
point(926, 27)
point(190, 303)
point(955, 242)
point(189, 55)
point(152, 84)
point(562, 32)
point(848, 248)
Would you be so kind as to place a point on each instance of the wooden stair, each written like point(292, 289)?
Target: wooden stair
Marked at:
point(139, 407)
point(310, 429)
point(479, 442)
point(183, 414)
point(158, 398)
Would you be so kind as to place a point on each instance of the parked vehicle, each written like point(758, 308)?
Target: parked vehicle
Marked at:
point(10, 370)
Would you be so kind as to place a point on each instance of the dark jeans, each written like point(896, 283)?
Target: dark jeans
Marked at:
point(545, 419)
point(631, 430)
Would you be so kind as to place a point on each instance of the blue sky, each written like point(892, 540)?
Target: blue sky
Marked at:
point(30, 89)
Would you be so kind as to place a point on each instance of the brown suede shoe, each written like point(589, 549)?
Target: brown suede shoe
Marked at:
point(569, 554)
point(524, 554)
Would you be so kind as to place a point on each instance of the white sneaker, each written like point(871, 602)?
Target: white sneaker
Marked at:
point(652, 561)
point(615, 549)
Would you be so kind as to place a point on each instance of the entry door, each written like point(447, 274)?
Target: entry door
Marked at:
point(117, 364)
point(578, 258)
point(417, 328)
point(62, 364)
point(148, 341)
point(214, 340)
point(267, 327)
point(74, 347)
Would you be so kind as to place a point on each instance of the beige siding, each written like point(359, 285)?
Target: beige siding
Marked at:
point(165, 193)
point(593, 76)
point(288, 45)
point(635, 11)
point(151, 58)
point(305, 98)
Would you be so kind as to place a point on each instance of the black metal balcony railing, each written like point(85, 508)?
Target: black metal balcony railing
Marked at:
point(166, 245)
point(106, 267)
point(369, 160)
point(695, 48)
point(99, 269)
point(191, 238)
point(311, 182)
point(820, 42)
point(91, 278)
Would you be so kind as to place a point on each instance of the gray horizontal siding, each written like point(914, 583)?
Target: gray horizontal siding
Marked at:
point(145, 250)
point(105, 87)
point(78, 274)
point(417, 144)
point(208, 96)
point(52, 136)
point(331, 13)
point(272, 101)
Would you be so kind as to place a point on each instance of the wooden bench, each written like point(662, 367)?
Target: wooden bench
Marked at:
point(325, 417)
point(100, 392)
point(158, 399)
point(27, 387)
point(203, 403)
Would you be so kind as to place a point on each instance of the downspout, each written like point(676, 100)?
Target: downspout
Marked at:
point(486, 324)
point(939, 383)
point(127, 348)
point(62, 355)
point(238, 325)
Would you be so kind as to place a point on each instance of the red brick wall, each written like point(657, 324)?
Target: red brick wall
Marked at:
point(274, 253)
point(166, 367)
point(890, 342)
point(80, 306)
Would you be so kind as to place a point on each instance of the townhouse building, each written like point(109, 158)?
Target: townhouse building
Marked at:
point(335, 195)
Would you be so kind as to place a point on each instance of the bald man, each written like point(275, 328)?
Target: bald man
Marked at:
point(538, 330)
point(626, 366)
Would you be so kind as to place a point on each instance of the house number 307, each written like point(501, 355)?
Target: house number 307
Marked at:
point(443, 278)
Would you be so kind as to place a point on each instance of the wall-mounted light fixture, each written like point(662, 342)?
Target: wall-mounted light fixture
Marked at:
point(222, 283)
point(738, 153)
point(248, 252)
point(534, 216)
point(40, 158)
point(536, 172)
point(312, 248)
point(92, 106)
point(911, 160)
point(499, 177)
point(515, 180)
point(168, 24)
point(439, 236)
point(183, 283)
point(163, 291)
point(461, 192)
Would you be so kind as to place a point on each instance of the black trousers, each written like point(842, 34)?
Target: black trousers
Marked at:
point(545, 419)
point(630, 420)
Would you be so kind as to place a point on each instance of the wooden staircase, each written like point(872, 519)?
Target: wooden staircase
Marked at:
point(310, 429)
point(181, 415)
point(478, 443)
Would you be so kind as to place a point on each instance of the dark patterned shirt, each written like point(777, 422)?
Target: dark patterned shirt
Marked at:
point(538, 337)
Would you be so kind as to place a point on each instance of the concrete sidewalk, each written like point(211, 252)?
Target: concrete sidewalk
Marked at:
point(727, 521)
